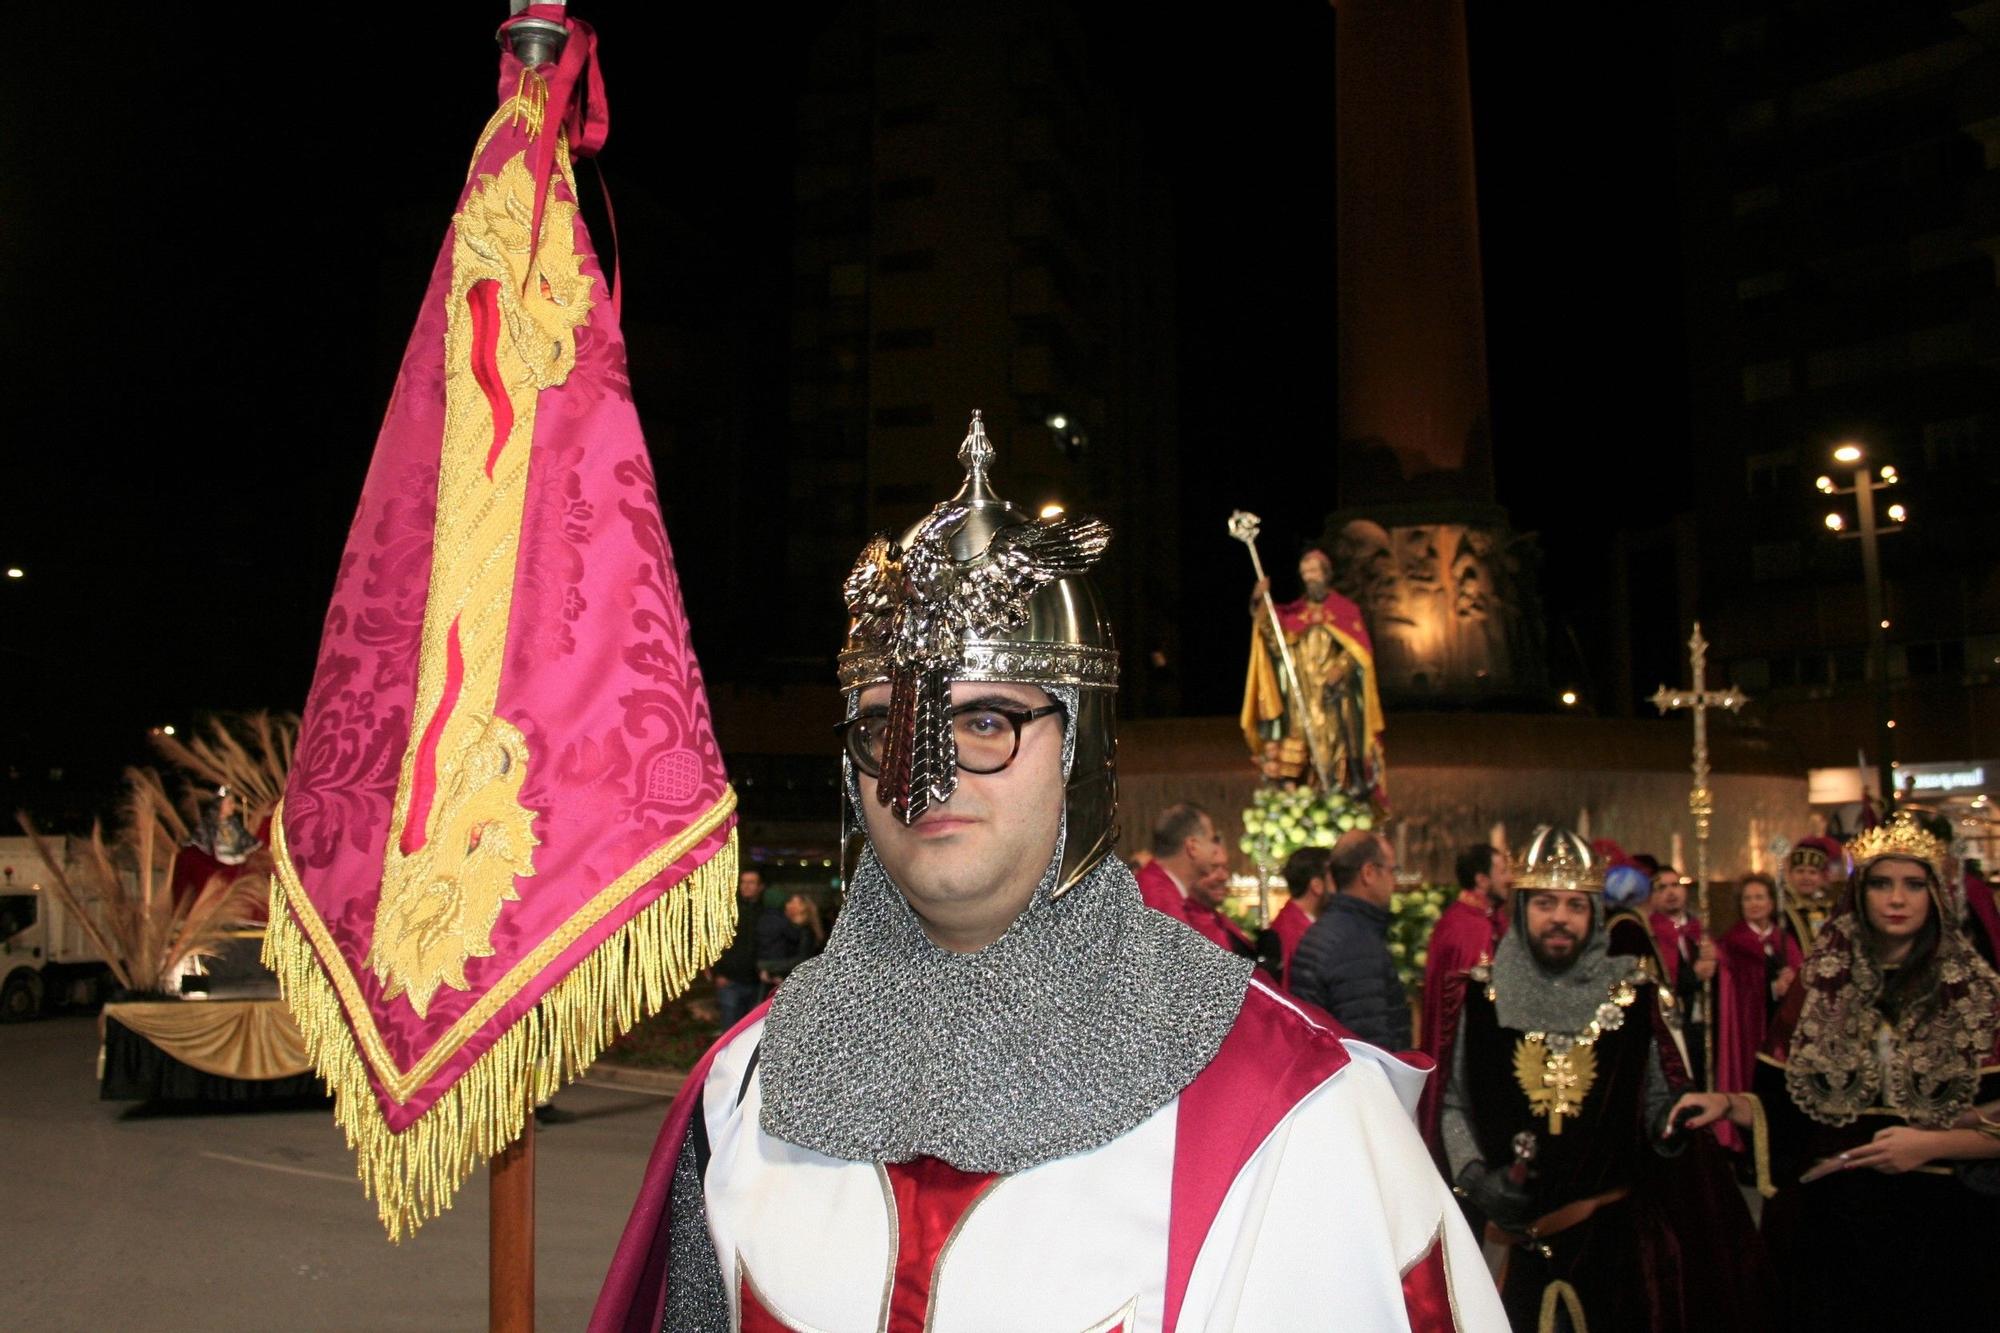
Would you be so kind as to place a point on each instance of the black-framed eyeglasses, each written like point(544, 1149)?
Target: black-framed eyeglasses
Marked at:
point(988, 736)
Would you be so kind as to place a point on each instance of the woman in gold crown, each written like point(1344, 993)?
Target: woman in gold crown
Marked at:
point(1867, 1101)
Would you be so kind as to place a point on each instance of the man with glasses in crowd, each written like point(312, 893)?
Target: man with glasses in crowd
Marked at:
point(1008, 1092)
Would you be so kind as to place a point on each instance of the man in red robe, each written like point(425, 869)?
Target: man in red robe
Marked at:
point(1185, 848)
point(1308, 881)
point(1469, 927)
point(1464, 937)
point(1203, 906)
point(1687, 956)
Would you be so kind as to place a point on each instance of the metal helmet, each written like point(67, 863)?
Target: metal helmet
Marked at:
point(1557, 859)
point(981, 589)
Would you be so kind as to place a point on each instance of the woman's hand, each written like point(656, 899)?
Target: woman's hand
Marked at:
point(1783, 983)
point(1894, 1150)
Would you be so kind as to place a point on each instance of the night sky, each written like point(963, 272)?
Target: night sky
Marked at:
point(214, 243)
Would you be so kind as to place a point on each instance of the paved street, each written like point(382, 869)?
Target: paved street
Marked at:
point(255, 1222)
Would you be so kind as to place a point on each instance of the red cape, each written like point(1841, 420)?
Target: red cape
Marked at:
point(1741, 1002)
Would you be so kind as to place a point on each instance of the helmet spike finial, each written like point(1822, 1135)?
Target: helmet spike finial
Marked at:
point(976, 453)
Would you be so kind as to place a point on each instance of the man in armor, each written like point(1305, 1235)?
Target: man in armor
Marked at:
point(1008, 1094)
point(1563, 1069)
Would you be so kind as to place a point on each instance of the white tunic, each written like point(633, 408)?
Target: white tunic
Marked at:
point(1330, 1213)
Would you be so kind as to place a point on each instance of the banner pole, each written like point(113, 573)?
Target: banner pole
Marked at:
point(510, 1262)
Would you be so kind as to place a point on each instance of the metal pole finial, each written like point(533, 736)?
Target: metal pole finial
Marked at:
point(534, 41)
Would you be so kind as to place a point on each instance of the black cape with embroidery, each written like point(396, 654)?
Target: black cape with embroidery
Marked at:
point(1679, 1251)
point(1861, 1249)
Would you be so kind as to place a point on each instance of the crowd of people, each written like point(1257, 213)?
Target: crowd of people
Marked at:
point(1023, 1087)
point(770, 940)
point(1567, 1002)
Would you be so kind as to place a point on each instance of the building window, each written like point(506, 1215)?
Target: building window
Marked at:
point(847, 281)
point(914, 414)
point(1753, 119)
point(899, 188)
point(1768, 473)
point(1942, 344)
point(1843, 365)
point(1754, 200)
point(1771, 561)
point(902, 340)
point(1760, 285)
point(907, 261)
point(1767, 379)
point(1751, 673)
point(915, 113)
point(1954, 442)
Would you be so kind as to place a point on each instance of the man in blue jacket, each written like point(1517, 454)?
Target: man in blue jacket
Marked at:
point(1343, 963)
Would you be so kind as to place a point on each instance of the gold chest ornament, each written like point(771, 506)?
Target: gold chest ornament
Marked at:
point(1557, 1069)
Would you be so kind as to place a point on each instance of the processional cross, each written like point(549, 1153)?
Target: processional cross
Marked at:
point(1701, 802)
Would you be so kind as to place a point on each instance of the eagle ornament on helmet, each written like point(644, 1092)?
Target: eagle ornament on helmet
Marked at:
point(980, 590)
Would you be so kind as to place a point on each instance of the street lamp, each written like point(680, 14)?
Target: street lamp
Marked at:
point(1866, 530)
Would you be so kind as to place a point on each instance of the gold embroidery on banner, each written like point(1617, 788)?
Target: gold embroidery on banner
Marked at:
point(401, 1084)
point(441, 899)
point(413, 1174)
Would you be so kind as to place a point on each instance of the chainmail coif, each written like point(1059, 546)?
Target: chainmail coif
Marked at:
point(1090, 1013)
point(1531, 997)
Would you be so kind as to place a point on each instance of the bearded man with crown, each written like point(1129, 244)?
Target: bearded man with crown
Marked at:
point(1874, 1100)
point(1008, 1095)
point(1554, 1125)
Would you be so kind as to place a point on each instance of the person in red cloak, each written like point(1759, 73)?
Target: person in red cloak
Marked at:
point(1687, 959)
point(1464, 937)
point(1759, 963)
point(1186, 847)
point(1308, 881)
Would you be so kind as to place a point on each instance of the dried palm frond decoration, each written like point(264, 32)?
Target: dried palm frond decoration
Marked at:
point(250, 756)
point(120, 890)
point(120, 887)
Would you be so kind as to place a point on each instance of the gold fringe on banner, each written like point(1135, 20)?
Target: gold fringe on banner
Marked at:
point(414, 1175)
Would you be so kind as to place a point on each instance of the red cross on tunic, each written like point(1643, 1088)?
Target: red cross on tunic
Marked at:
point(932, 1200)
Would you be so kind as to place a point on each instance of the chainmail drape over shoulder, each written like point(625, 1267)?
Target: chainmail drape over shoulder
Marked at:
point(1090, 1013)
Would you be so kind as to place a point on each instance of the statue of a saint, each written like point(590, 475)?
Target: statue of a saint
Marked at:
point(1333, 730)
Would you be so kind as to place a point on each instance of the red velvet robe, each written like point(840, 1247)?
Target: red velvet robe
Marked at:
point(1743, 998)
point(1218, 929)
point(1464, 935)
point(1290, 925)
point(1160, 892)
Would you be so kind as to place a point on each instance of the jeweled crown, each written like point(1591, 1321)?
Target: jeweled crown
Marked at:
point(1901, 835)
point(1557, 859)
